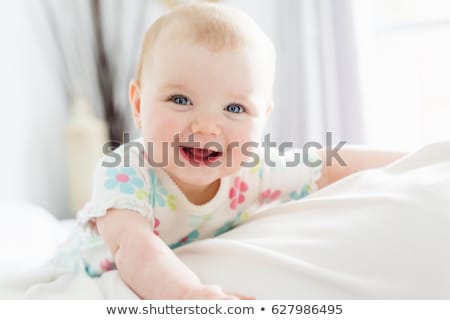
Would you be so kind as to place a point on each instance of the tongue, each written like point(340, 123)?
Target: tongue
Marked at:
point(200, 153)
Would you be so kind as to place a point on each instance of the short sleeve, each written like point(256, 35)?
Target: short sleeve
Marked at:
point(120, 181)
point(289, 176)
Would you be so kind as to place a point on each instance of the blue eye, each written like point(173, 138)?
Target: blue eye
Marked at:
point(179, 99)
point(235, 108)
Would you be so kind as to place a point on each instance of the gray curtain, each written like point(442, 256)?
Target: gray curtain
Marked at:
point(94, 46)
point(317, 87)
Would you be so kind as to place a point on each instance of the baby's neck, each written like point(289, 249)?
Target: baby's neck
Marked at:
point(198, 195)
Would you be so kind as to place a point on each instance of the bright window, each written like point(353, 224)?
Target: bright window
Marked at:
point(406, 71)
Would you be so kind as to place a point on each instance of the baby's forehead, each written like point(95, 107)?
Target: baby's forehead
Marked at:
point(181, 40)
point(183, 60)
point(213, 26)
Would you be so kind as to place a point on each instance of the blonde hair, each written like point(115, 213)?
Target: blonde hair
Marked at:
point(216, 26)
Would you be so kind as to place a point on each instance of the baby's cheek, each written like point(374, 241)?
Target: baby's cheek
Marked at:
point(244, 134)
point(159, 137)
point(160, 131)
point(242, 146)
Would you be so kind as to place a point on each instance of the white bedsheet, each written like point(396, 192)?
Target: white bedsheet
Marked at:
point(378, 234)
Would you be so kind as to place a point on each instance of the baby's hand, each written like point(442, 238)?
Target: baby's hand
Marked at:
point(213, 293)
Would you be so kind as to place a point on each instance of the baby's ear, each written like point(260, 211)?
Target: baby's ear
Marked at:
point(134, 95)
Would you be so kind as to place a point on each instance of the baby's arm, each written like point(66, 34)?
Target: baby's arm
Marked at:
point(146, 264)
point(356, 159)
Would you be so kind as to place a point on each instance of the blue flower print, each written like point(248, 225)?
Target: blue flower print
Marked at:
point(157, 192)
point(226, 227)
point(303, 193)
point(187, 239)
point(91, 272)
point(125, 178)
point(230, 224)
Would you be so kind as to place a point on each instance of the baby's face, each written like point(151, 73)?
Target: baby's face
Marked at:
point(213, 101)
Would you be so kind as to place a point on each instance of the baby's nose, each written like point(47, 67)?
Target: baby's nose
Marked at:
point(206, 126)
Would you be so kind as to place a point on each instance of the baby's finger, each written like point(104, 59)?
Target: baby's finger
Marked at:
point(240, 296)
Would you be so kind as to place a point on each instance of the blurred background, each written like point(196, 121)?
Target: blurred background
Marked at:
point(373, 72)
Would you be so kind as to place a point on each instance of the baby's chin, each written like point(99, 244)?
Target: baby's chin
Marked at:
point(191, 177)
point(201, 176)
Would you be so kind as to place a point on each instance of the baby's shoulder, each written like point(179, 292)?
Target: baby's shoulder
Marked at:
point(130, 154)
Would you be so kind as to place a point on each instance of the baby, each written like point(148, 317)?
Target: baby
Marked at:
point(201, 96)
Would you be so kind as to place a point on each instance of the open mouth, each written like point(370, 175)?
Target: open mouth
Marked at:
point(199, 156)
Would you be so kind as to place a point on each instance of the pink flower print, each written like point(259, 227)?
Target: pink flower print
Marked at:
point(107, 265)
point(155, 226)
point(125, 178)
point(236, 192)
point(269, 196)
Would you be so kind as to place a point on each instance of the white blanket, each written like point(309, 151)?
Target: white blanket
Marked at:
point(378, 234)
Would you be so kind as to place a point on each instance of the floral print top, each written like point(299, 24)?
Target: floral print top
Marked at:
point(151, 192)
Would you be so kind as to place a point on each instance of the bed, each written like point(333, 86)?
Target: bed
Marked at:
point(378, 234)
